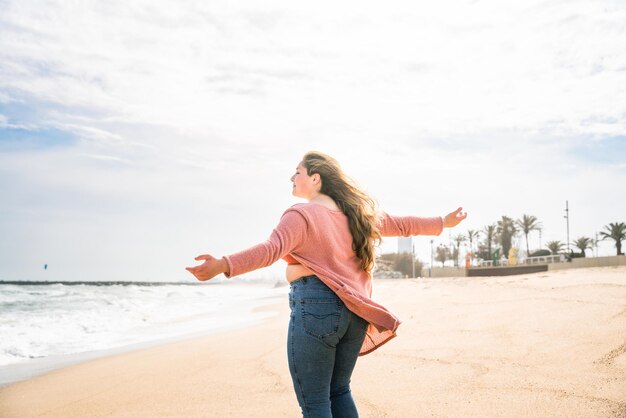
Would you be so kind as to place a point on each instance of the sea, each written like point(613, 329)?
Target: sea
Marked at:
point(48, 325)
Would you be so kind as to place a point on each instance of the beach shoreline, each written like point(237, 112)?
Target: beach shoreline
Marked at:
point(543, 344)
point(240, 317)
point(14, 373)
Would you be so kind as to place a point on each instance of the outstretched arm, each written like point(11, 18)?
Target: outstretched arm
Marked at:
point(406, 226)
point(287, 236)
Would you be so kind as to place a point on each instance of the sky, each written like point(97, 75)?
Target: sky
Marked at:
point(137, 135)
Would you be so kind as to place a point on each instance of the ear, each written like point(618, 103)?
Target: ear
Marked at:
point(319, 181)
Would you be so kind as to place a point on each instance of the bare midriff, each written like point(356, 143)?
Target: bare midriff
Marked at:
point(295, 271)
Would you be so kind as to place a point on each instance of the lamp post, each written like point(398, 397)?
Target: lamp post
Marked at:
point(413, 260)
point(567, 220)
point(430, 269)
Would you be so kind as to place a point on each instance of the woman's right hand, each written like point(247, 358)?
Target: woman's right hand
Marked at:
point(209, 269)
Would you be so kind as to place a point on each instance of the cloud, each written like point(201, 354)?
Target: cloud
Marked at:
point(5, 124)
point(5, 98)
point(191, 116)
point(485, 70)
point(107, 158)
point(89, 132)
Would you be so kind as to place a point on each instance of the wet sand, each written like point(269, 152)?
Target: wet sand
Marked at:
point(546, 344)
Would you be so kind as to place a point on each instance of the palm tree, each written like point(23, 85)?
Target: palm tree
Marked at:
point(528, 223)
point(443, 253)
point(506, 231)
point(472, 235)
point(454, 255)
point(490, 234)
point(583, 243)
point(458, 239)
point(617, 232)
point(555, 247)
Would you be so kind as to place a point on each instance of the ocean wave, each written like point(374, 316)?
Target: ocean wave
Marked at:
point(47, 320)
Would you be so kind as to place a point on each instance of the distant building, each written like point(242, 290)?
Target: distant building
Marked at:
point(405, 245)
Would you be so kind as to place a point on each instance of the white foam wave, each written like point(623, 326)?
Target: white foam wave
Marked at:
point(41, 321)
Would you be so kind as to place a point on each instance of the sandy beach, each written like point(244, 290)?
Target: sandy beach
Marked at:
point(546, 344)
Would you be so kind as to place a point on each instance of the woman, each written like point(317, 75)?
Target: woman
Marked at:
point(328, 244)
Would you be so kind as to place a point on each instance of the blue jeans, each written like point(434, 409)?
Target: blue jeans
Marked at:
point(323, 344)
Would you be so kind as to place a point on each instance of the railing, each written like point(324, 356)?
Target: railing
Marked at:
point(544, 259)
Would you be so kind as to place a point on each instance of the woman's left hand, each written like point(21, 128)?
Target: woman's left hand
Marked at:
point(209, 269)
point(452, 219)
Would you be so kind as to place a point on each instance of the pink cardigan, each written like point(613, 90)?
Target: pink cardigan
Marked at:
point(320, 239)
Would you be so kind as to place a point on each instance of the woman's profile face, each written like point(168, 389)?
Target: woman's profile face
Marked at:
point(302, 183)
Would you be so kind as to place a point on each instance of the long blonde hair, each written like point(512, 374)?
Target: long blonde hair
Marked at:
point(357, 205)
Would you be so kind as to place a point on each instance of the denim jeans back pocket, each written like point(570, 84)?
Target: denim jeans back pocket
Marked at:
point(320, 317)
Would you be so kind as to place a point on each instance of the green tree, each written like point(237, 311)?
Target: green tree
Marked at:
point(458, 239)
point(402, 263)
point(443, 253)
point(472, 235)
point(506, 231)
point(454, 255)
point(405, 264)
point(555, 247)
point(617, 232)
point(583, 243)
point(528, 223)
point(490, 236)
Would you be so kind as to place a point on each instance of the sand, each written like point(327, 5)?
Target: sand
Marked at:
point(546, 344)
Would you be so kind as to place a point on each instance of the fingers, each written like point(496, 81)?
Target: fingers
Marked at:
point(454, 218)
point(197, 272)
point(460, 215)
point(203, 257)
point(455, 212)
